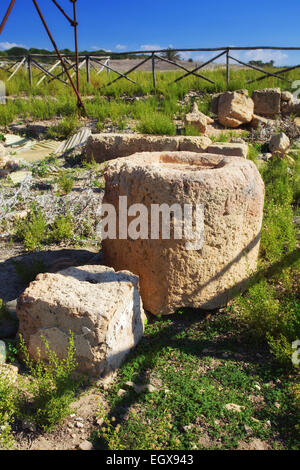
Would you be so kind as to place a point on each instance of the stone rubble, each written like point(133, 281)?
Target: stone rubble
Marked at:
point(197, 119)
point(279, 143)
point(267, 102)
point(235, 109)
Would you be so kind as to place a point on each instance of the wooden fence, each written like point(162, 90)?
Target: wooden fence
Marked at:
point(100, 63)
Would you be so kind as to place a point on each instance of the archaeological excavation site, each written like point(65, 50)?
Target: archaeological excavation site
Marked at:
point(149, 242)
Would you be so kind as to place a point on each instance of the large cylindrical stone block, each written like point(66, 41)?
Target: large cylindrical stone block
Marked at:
point(176, 273)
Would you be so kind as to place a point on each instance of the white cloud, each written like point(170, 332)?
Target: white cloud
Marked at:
point(99, 48)
point(9, 45)
point(121, 47)
point(266, 55)
point(150, 47)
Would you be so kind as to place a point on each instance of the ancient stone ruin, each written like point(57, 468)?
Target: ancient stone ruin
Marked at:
point(105, 147)
point(231, 192)
point(102, 308)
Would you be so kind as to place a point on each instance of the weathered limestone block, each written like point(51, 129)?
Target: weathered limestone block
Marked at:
point(176, 273)
point(287, 96)
point(193, 144)
point(229, 149)
point(3, 150)
point(291, 107)
point(101, 307)
point(279, 143)
point(260, 121)
point(234, 109)
point(104, 147)
point(198, 119)
point(267, 102)
point(214, 106)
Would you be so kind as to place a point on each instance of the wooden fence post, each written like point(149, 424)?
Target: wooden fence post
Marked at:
point(228, 67)
point(88, 69)
point(29, 70)
point(153, 71)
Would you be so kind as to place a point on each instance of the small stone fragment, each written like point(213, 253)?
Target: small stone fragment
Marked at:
point(235, 408)
point(86, 445)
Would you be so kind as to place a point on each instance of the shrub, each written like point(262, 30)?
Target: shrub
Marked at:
point(7, 412)
point(270, 309)
point(63, 229)
point(47, 397)
point(191, 131)
point(28, 272)
point(156, 124)
point(32, 231)
point(65, 181)
point(63, 129)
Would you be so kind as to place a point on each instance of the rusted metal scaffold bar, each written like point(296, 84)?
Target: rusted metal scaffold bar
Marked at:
point(79, 100)
point(76, 43)
point(11, 5)
point(63, 12)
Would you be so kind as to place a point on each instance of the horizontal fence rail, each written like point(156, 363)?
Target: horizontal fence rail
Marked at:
point(100, 63)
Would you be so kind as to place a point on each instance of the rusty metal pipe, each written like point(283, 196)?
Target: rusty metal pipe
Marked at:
point(76, 43)
point(79, 100)
point(63, 12)
point(7, 15)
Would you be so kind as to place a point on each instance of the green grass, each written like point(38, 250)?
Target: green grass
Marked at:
point(63, 130)
point(184, 359)
point(156, 123)
point(55, 99)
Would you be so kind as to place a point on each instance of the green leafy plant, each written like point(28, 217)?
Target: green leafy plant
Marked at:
point(156, 123)
point(7, 412)
point(64, 129)
point(28, 272)
point(62, 229)
point(65, 181)
point(52, 388)
point(32, 230)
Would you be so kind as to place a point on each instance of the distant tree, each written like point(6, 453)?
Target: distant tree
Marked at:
point(259, 63)
point(34, 50)
point(16, 51)
point(170, 54)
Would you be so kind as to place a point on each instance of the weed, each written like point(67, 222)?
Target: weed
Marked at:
point(32, 230)
point(63, 229)
point(65, 181)
point(28, 272)
point(156, 123)
point(52, 388)
point(63, 129)
point(7, 412)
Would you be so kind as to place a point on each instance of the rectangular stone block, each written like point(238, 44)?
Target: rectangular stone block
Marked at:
point(101, 307)
point(229, 149)
point(267, 102)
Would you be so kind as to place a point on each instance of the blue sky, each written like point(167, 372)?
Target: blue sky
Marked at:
point(120, 25)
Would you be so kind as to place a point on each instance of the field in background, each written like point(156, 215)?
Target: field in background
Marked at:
point(103, 102)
